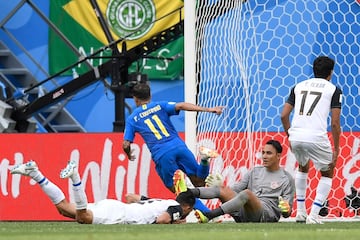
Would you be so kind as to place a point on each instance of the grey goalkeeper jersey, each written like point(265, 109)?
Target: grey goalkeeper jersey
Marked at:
point(268, 186)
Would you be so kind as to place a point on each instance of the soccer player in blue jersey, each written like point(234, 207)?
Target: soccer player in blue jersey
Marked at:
point(169, 152)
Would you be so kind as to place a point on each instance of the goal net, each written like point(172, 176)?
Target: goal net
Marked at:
point(248, 56)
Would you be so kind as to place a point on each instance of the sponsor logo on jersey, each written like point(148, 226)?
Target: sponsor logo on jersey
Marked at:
point(274, 185)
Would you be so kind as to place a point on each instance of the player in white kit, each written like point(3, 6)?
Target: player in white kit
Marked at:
point(264, 194)
point(312, 101)
point(107, 211)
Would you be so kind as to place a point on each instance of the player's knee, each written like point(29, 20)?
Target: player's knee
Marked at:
point(245, 195)
point(226, 193)
point(329, 173)
point(304, 169)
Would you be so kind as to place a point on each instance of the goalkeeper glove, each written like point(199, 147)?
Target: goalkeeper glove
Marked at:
point(214, 180)
point(284, 205)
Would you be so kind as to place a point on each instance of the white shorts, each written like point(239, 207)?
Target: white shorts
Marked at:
point(319, 153)
point(108, 211)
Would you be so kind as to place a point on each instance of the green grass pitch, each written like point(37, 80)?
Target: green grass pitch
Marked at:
point(218, 231)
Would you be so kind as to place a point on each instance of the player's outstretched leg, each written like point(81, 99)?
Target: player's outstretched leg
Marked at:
point(71, 171)
point(50, 189)
point(24, 169)
point(179, 182)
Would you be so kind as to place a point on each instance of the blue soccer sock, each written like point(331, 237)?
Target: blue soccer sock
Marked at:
point(202, 171)
point(199, 205)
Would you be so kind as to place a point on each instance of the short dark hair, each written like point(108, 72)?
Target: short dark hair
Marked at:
point(186, 197)
point(276, 144)
point(141, 91)
point(323, 66)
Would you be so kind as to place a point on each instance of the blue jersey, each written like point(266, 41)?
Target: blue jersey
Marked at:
point(152, 122)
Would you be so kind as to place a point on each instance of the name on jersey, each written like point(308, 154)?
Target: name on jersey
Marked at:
point(150, 111)
point(317, 85)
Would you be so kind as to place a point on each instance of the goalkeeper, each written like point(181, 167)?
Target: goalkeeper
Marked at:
point(264, 194)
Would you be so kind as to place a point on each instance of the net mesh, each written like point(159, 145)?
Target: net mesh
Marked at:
point(249, 55)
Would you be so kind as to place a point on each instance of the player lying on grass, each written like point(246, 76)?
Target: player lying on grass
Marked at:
point(107, 211)
point(264, 193)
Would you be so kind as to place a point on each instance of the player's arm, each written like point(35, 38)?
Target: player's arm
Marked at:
point(129, 134)
point(243, 183)
point(335, 122)
point(127, 149)
point(335, 130)
point(285, 114)
point(172, 215)
point(285, 117)
point(192, 107)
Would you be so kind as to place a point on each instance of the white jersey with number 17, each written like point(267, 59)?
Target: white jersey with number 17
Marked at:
point(312, 100)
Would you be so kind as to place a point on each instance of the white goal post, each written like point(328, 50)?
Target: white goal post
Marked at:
point(246, 56)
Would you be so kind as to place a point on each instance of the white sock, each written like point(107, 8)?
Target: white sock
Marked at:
point(322, 192)
point(52, 191)
point(79, 196)
point(75, 178)
point(37, 176)
point(300, 185)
